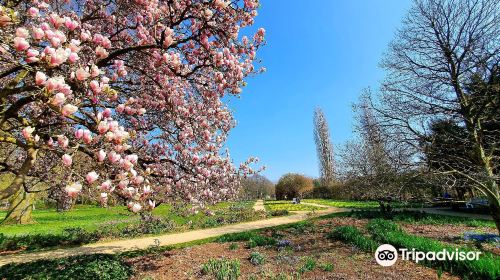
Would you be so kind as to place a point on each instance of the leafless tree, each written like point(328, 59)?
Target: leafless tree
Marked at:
point(442, 65)
point(372, 164)
point(324, 148)
point(257, 186)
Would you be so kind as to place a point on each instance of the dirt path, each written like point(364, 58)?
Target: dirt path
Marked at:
point(259, 205)
point(168, 239)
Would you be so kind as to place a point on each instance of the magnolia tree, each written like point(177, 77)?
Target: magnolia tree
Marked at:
point(122, 97)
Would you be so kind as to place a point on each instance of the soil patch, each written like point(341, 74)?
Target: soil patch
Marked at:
point(307, 243)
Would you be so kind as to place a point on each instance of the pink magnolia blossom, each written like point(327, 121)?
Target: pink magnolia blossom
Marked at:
point(106, 185)
point(152, 204)
point(73, 190)
point(221, 4)
point(136, 207)
point(120, 108)
point(85, 35)
point(126, 164)
point(94, 71)
point(67, 160)
point(103, 198)
point(138, 180)
point(106, 113)
point(50, 142)
point(101, 155)
point(58, 99)
point(96, 88)
point(63, 141)
point(20, 44)
point(70, 24)
point(87, 136)
point(82, 74)
point(101, 52)
point(40, 78)
point(55, 42)
point(22, 32)
point(56, 20)
point(53, 84)
point(68, 110)
point(113, 157)
point(103, 127)
point(73, 57)
point(59, 57)
point(123, 184)
point(33, 12)
point(37, 33)
point(79, 133)
point(32, 55)
point(91, 177)
point(27, 132)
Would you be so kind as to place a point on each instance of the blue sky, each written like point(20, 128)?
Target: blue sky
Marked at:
point(318, 53)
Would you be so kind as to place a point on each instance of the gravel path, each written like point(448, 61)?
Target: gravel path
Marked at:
point(314, 204)
point(259, 205)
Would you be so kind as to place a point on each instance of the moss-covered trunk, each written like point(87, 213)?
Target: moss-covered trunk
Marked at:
point(495, 213)
point(20, 209)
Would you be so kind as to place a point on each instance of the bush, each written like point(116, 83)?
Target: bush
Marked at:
point(78, 235)
point(69, 236)
point(304, 226)
point(353, 236)
point(222, 269)
point(237, 213)
point(309, 265)
point(98, 266)
point(253, 239)
point(293, 185)
point(486, 267)
point(328, 267)
point(259, 240)
point(233, 246)
point(326, 190)
point(148, 225)
point(420, 217)
point(235, 237)
point(257, 258)
point(275, 213)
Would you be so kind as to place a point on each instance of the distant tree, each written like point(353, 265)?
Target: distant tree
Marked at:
point(257, 186)
point(444, 148)
point(331, 190)
point(372, 163)
point(293, 185)
point(324, 148)
point(443, 64)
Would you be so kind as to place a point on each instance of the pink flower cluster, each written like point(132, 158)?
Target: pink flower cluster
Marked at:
point(133, 93)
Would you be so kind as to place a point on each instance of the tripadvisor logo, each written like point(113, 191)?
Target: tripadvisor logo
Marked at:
point(387, 255)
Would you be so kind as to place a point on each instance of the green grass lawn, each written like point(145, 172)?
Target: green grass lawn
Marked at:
point(91, 218)
point(414, 217)
point(358, 204)
point(272, 205)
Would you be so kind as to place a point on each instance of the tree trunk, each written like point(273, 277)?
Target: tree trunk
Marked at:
point(495, 213)
point(21, 206)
